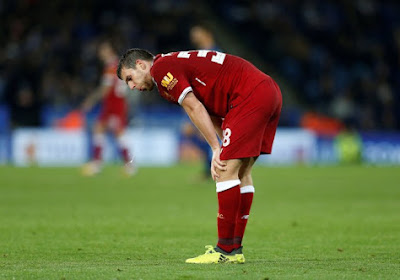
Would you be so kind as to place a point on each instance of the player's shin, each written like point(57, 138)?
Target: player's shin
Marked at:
point(123, 149)
point(246, 199)
point(98, 141)
point(228, 205)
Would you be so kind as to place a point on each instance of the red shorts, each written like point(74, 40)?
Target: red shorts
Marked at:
point(116, 120)
point(249, 128)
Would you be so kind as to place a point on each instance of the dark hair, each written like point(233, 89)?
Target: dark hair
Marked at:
point(205, 25)
point(109, 43)
point(128, 59)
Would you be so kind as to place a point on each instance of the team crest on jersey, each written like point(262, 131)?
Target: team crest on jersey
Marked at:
point(169, 81)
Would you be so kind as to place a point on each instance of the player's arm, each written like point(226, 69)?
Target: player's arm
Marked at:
point(217, 122)
point(201, 119)
point(95, 97)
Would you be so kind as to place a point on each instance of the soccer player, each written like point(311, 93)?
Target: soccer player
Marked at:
point(113, 116)
point(202, 37)
point(223, 95)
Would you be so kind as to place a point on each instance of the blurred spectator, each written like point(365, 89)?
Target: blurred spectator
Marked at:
point(24, 108)
point(342, 58)
point(202, 37)
point(53, 45)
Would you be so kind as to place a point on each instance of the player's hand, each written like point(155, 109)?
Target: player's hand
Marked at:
point(216, 164)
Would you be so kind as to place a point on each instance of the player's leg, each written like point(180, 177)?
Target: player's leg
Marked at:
point(260, 119)
point(99, 140)
point(118, 130)
point(191, 134)
point(207, 154)
point(247, 186)
point(246, 200)
point(94, 166)
point(228, 193)
point(243, 128)
point(122, 146)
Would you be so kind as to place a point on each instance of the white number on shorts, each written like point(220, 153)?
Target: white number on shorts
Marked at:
point(227, 140)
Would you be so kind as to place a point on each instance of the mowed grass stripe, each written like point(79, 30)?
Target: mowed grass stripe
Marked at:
point(306, 223)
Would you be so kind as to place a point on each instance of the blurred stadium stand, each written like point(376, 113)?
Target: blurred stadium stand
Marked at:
point(341, 58)
point(337, 58)
point(336, 61)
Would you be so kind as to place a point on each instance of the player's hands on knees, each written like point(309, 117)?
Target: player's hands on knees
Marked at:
point(216, 164)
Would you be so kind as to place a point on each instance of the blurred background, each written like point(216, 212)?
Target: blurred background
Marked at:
point(337, 63)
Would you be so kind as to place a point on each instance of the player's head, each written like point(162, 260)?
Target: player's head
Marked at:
point(134, 68)
point(202, 37)
point(106, 51)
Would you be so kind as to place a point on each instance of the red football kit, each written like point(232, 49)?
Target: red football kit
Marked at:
point(229, 87)
point(114, 107)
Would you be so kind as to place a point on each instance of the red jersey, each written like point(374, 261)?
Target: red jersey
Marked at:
point(114, 101)
point(220, 81)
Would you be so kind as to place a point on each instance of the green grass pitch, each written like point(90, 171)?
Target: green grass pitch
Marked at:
point(306, 223)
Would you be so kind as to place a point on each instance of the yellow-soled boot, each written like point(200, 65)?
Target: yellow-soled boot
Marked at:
point(212, 256)
point(239, 255)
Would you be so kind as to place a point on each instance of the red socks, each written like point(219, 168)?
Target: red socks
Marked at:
point(125, 154)
point(97, 152)
point(246, 199)
point(228, 205)
point(234, 205)
point(123, 148)
point(98, 141)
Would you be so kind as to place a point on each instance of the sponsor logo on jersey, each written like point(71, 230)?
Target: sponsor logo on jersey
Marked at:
point(169, 81)
point(168, 96)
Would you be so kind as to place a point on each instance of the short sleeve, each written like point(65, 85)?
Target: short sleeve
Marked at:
point(172, 81)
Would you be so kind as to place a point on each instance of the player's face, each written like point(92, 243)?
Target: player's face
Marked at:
point(139, 77)
point(199, 37)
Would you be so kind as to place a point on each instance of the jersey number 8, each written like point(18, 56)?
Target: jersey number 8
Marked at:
point(227, 140)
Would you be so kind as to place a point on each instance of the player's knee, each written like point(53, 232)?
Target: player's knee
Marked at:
point(245, 171)
point(232, 170)
point(246, 180)
point(228, 174)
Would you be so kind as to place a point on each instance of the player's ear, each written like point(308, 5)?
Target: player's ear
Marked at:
point(141, 64)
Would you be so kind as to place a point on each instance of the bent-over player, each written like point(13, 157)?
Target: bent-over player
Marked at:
point(223, 95)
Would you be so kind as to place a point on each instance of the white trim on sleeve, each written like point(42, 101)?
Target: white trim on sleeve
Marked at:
point(183, 94)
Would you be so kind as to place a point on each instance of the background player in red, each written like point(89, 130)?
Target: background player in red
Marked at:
point(225, 95)
point(113, 116)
